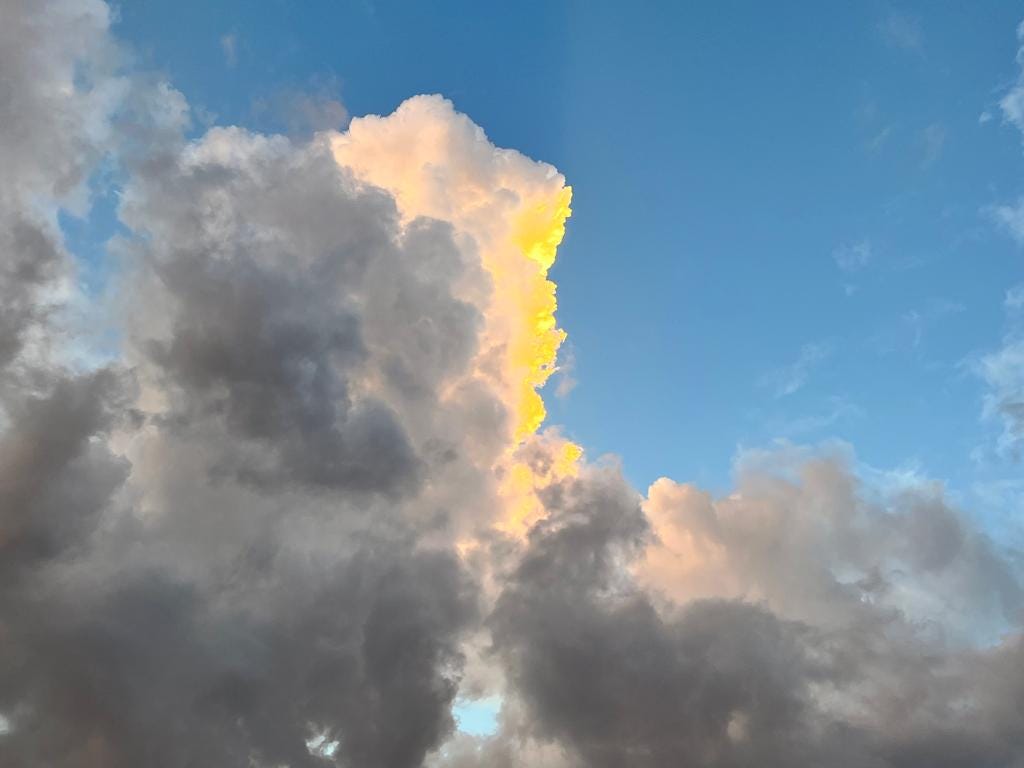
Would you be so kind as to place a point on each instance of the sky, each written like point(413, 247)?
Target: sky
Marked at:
point(328, 437)
point(783, 222)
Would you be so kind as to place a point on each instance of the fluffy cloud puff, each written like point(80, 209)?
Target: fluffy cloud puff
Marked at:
point(794, 622)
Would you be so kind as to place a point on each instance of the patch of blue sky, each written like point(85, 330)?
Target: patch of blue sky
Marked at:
point(86, 236)
point(477, 717)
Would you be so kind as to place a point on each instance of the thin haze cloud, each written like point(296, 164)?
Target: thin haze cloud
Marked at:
point(853, 257)
point(229, 47)
point(790, 378)
point(903, 31)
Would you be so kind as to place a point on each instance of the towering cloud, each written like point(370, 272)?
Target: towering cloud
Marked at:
point(440, 164)
point(306, 505)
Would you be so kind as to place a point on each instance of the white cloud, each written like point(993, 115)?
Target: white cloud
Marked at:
point(1011, 218)
point(1003, 373)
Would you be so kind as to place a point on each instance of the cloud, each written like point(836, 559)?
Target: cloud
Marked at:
point(566, 374)
point(1011, 218)
point(229, 47)
point(791, 378)
point(933, 139)
point(879, 139)
point(834, 410)
point(305, 111)
point(61, 86)
point(912, 329)
point(1012, 103)
point(1014, 298)
point(900, 30)
point(853, 257)
point(1003, 374)
point(244, 527)
point(306, 506)
point(784, 624)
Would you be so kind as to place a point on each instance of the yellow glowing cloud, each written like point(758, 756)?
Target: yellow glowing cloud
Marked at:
point(549, 459)
point(436, 163)
point(538, 233)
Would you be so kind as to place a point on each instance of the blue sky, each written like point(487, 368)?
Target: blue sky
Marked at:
point(783, 221)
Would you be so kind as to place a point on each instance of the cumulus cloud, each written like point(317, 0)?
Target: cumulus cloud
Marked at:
point(307, 506)
point(792, 622)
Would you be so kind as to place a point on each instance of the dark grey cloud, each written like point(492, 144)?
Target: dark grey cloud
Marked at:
point(58, 88)
point(282, 287)
point(618, 674)
point(211, 549)
point(56, 476)
point(150, 671)
point(602, 671)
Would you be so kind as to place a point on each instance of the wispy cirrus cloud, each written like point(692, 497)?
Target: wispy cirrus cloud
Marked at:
point(933, 141)
point(852, 257)
point(229, 48)
point(790, 378)
point(1010, 218)
point(902, 31)
point(1012, 103)
point(1014, 298)
point(1003, 374)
